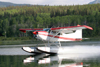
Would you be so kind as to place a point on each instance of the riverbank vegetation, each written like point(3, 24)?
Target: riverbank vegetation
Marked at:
point(30, 40)
point(18, 40)
point(13, 18)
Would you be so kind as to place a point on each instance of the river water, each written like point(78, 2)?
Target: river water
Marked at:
point(88, 55)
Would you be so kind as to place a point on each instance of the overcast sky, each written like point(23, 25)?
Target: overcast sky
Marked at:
point(49, 2)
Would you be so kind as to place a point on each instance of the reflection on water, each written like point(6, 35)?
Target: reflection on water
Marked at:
point(71, 60)
point(14, 56)
point(44, 60)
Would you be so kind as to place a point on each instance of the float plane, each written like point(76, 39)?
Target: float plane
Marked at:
point(55, 36)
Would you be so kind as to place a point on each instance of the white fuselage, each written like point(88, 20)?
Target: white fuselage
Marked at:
point(73, 36)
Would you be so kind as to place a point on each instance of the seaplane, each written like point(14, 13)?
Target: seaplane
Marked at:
point(55, 36)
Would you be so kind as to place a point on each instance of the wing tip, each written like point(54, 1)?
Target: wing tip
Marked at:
point(88, 27)
point(22, 30)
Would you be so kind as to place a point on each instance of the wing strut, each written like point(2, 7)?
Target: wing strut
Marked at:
point(57, 44)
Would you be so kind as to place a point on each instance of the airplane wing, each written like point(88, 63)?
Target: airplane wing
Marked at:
point(36, 29)
point(71, 28)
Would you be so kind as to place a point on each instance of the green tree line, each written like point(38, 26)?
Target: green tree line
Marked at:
point(13, 18)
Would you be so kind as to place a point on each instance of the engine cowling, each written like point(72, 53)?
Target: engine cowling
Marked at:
point(35, 32)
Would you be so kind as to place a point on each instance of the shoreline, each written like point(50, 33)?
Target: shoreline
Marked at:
point(27, 40)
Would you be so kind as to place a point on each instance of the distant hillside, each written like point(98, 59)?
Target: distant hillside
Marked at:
point(95, 2)
point(6, 4)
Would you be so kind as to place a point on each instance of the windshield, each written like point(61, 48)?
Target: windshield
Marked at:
point(47, 29)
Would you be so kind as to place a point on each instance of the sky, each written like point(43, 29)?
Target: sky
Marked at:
point(50, 2)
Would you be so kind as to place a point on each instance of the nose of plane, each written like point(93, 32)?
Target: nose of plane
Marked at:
point(35, 32)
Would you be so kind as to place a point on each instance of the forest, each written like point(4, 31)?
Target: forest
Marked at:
point(13, 18)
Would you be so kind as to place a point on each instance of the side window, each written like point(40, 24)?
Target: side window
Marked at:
point(71, 32)
point(74, 31)
point(59, 33)
point(54, 32)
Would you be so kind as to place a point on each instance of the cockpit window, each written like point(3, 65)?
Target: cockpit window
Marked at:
point(54, 32)
point(47, 29)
